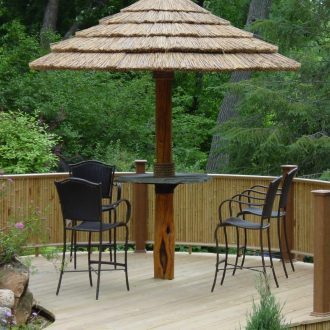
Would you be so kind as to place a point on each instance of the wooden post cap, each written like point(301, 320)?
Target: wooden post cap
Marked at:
point(140, 166)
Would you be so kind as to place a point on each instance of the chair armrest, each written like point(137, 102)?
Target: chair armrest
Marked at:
point(255, 195)
point(235, 201)
point(261, 187)
point(246, 194)
point(116, 204)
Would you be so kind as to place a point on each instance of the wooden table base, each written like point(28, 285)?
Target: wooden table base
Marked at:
point(164, 233)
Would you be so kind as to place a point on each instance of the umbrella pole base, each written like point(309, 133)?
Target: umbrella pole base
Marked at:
point(164, 233)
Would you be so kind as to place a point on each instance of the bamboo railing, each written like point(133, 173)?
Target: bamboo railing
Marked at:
point(195, 207)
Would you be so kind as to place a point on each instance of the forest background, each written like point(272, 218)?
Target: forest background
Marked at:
point(50, 119)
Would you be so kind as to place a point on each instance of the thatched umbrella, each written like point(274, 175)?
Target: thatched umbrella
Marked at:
point(164, 36)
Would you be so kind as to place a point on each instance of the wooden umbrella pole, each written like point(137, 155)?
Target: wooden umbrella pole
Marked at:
point(164, 213)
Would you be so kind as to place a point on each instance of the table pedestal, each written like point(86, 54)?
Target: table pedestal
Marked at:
point(164, 234)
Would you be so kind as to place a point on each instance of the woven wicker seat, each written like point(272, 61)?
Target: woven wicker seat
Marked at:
point(265, 203)
point(279, 213)
point(97, 172)
point(81, 204)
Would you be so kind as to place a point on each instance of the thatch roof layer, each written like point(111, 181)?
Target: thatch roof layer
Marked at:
point(165, 61)
point(163, 29)
point(163, 17)
point(167, 5)
point(163, 44)
point(164, 35)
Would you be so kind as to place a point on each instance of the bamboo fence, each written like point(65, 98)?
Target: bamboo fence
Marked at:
point(195, 207)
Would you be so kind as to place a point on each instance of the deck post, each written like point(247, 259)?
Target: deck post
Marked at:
point(321, 205)
point(289, 218)
point(140, 209)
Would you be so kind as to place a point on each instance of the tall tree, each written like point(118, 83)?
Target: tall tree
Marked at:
point(258, 9)
point(49, 21)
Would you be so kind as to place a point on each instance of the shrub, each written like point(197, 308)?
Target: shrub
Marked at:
point(15, 237)
point(266, 315)
point(25, 145)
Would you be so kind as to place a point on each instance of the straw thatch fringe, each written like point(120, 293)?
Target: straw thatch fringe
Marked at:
point(163, 29)
point(164, 44)
point(165, 61)
point(170, 5)
point(163, 17)
point(164, 35)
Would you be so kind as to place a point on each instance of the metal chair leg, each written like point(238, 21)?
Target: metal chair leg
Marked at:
point(89, 258)
point(99, 268)
point(115, 247)
point(75, 250)
point(287, 244)
point(244, 248)
point(110, 237)
point(226, 256)
point(280, 246)
point(262, 252)
point(62, 264)
point(71, 246)
point(237, 250)
point(126, 248)
point(217, 259)
point(271, 258)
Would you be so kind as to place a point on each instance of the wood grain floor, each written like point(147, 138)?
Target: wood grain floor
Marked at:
point(183, 303)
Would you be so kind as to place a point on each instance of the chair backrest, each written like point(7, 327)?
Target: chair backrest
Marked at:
point(95, 171)
point(80, 199)
point(270, 197)
point(286, 188)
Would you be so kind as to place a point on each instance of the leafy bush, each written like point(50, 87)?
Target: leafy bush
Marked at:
point(25, 144)
point(325, 175)
point(20, 230)
point(266, 315)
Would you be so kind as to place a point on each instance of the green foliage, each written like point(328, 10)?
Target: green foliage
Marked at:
point(325, 175)
point(312, 153)
point(235, 10)
point(16, 50)
point(25, 144)
point(190, 130)
point(292, 22)
point(15, 237)
point(267, 314)
point(93, 111)
point(285, 117)
point(195, 107)
point(83, 12)
point(116, 153)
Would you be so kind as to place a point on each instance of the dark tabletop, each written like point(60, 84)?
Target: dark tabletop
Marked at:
point(151, 179)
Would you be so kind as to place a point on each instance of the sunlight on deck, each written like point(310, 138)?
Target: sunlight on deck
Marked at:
point(183, 303)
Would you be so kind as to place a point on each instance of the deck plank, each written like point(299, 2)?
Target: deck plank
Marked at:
point(182, 303)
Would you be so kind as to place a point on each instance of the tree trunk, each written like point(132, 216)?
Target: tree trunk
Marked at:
point(49, 21)
point(259, 9)
point(76, 24)
point(73, 29)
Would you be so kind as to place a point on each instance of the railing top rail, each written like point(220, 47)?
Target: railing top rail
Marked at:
point(227, 176)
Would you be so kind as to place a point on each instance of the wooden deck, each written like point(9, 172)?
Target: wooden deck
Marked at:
point(183, 303)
